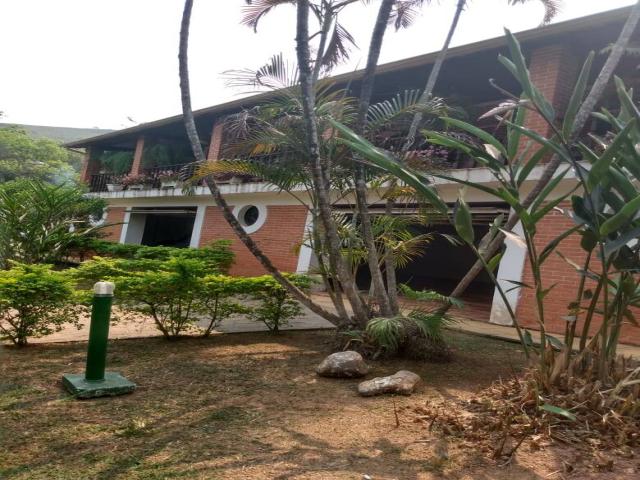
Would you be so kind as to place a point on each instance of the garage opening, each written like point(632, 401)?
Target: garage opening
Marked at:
point(168, 227)
point(442, 265)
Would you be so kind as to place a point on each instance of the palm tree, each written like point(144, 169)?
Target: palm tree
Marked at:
point(198, 152)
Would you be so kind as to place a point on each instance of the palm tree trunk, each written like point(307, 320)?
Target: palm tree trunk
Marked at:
point(433, 76)
point(587, 106)
point(366, 91)
point(411, 136)
point(319, 175)
point(192, 133)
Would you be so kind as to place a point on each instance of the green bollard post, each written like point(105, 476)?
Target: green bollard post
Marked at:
point(99, 331)
point(96, 382)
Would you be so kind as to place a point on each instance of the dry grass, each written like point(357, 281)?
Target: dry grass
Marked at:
point(242, 406)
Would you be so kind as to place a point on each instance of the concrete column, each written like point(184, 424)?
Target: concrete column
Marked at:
point(511, 268)
point(136, 167)
point(305, 256)
point(125, 225)
point(197, 226)
point(134, 228)
point(215, 144)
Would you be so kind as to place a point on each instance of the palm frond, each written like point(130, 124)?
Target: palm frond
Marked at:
point(276, 74)
point(386, 332)
point(254, 10)
point(431, 323)
point(338, 47)
point(551, 8)
point(429, 296)
point(405, 12)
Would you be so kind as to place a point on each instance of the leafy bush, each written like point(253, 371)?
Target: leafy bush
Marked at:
point(276, 306)
point(187, 294)
point(418, 335)
point(35, 301)
point(217, 255)
point(41, 223)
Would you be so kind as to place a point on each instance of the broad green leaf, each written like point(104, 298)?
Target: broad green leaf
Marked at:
point(546, 191)
point(477, 132)
point(612, 246)
point(513, 136)
point(549, 143)
point(601, 167)
point(385, 162)
point(553, 244)
point(494, 262)
point(463, 222)
point(558, 411)
point(624, 215)
point(531, 163)
point(577, 96)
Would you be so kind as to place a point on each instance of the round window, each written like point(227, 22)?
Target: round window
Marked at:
point(249, 215)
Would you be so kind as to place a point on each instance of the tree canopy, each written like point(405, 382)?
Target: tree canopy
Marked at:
point(34, 158)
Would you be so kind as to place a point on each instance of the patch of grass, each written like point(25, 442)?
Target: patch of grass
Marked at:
point(244, 406)
point(135, 427)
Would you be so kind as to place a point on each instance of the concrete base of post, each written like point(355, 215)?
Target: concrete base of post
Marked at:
point(112, 385)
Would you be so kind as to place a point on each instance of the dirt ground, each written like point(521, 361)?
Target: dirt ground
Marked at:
point(248, 406)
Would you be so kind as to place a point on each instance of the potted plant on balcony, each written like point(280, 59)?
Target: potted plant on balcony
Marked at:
point(137, 182)
point(114, 184)
point(168, 178)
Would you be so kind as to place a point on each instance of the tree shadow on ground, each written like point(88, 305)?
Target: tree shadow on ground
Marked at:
point(231, 406)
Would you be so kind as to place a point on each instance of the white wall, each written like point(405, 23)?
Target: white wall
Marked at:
point(134, 228)
point(511, 268)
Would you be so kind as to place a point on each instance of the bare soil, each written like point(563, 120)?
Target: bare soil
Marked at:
point(249, 406)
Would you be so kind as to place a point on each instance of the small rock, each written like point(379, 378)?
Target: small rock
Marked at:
point(402, 382)
point(348, 364)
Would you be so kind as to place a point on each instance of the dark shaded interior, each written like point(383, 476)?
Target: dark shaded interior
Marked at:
point(169, 227)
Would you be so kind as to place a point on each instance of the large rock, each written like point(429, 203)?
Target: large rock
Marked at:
point(402, 382)
point(348, 364)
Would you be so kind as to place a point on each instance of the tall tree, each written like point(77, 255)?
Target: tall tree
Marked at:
point(22, 156)
point(213, 187)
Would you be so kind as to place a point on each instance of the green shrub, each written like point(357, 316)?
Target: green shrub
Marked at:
point(42, 223)
point(35, 301)
point(170, 295)
point(184, 291)
point(276, 307)
point(217, 255)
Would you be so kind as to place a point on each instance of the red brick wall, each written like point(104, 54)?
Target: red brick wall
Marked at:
point(114, 215)
point(90, 165)
point(556, 270)
point(279, 237)
point(554, 70)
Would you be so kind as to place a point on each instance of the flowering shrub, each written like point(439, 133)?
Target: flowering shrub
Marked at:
point(133, 179)
point(168, 176)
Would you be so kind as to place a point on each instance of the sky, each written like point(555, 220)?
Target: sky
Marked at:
point(113, 63)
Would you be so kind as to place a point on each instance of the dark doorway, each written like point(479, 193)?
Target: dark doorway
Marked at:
point(168, 227)
point(442, 264)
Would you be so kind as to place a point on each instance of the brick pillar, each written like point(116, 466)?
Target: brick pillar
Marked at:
point(554, 70)
point(216, 141)
point(136, 167)
point(90, 165)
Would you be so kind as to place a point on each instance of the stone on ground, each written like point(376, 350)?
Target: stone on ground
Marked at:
point(348, 364)
point(402, 382)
